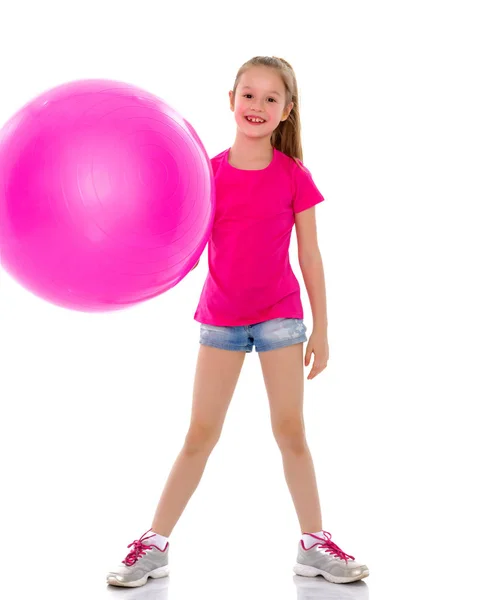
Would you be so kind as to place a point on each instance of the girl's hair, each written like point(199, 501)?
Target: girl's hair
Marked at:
point(287, 136)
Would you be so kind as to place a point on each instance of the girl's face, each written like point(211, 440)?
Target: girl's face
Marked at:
point(260, 94)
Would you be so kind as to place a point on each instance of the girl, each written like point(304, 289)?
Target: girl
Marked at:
point(251, 297)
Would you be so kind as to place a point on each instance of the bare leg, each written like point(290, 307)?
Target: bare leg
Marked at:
point(283, 373)
point(217, 373)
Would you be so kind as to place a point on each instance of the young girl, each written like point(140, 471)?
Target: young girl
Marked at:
point(252, 297)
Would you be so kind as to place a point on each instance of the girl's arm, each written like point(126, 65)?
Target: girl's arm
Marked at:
point(311, 264)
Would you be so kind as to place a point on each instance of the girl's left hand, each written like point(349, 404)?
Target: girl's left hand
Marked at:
point(317, 344)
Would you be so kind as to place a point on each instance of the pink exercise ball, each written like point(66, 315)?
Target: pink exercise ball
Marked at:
point(106, 196)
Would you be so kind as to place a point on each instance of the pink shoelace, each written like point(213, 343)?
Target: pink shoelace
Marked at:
point(139, 548)
point(330, 546)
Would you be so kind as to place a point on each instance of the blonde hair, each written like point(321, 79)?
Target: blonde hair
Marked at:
point(287, 136)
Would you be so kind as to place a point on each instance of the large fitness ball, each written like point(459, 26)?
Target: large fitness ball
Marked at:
point(106, 196)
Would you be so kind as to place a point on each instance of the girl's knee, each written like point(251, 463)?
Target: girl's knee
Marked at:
point(290, 436)
point(201, 438)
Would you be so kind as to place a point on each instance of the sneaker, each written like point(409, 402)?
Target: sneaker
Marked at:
point(144, 560)
point(326, 559)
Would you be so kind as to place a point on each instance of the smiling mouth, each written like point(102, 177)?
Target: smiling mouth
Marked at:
point(255, 120)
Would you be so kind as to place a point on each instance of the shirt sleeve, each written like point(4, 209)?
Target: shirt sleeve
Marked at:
point(305, 191)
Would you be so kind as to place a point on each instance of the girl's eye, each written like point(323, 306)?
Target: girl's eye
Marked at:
point(268, 98)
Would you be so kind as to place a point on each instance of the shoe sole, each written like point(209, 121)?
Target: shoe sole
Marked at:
point(156, 574)
point(307, 571)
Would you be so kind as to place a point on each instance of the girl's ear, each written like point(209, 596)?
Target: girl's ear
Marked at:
point(232, 103)
point(287, 110)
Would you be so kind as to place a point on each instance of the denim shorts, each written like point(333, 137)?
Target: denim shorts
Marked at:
point(268, 335)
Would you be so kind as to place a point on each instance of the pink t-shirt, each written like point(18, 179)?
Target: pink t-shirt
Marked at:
point(250, 278)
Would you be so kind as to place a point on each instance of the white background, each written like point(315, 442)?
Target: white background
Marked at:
point(94, 408)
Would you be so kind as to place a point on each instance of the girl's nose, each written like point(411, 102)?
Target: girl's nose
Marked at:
point(257, 105)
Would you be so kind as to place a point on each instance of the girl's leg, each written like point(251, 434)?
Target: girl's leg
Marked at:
point(283, 374)
point(217, 373)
